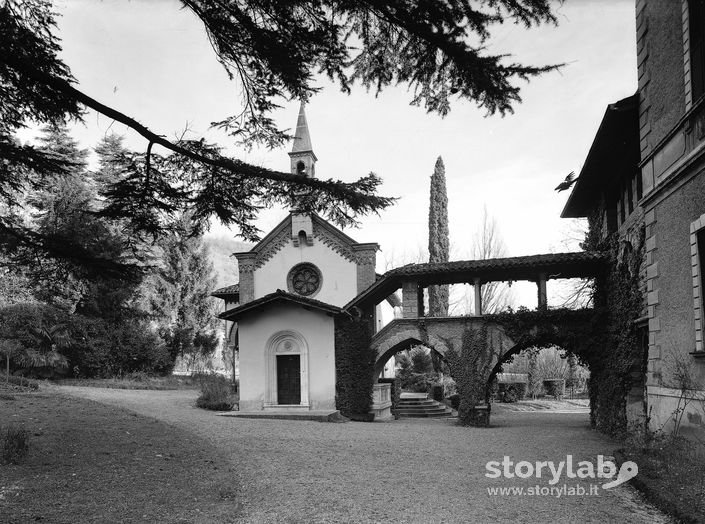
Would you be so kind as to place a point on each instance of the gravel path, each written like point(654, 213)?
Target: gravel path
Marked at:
point(400, 471)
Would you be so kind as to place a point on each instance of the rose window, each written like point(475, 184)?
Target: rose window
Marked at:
point(304, 279)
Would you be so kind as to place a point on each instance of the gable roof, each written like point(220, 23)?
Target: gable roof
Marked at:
point(325, 232)
point(279, 297)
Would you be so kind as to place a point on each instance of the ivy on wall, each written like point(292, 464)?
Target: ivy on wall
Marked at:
point(354, 366)
point(619, 366)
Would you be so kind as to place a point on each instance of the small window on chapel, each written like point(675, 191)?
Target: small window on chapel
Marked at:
point(302, 238)
point(696, 16)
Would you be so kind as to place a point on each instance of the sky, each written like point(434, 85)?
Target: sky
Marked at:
point(152, 60)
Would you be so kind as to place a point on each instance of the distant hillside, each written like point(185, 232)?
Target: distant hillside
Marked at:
point(224, 265)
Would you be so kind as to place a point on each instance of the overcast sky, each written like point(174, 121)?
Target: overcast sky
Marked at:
point(152, 60)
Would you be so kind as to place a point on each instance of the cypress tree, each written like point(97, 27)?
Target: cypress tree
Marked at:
point(438, 241)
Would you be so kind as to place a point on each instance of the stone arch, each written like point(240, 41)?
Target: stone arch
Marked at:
point(403, 337)
point(532, 341)
point(403, 345)
point(287, 342)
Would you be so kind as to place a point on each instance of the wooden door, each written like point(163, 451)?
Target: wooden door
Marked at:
point(288, 379)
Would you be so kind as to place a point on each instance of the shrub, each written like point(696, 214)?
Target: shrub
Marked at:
point(15, 444)
point(454, 401)
point(22, 382)
point(554, 387)
point(35, 331)
point(511, 391)
point(216, 393)
point(419, 382)
point(437, 392)
point(100, 348)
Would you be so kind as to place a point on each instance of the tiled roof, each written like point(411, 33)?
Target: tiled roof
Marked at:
point(227, 291)
point(580, 264)
point(497, 264)
point(279, 296)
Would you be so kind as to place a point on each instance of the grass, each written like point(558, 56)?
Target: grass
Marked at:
point(216, 393)
point(671, 475)
point(14, 444)
point(94, 463)
point(15, 382)
point(137, 381)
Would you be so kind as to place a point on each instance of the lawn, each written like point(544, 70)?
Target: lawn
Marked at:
point(89, 462)
point(671, 475)
point(136, 381)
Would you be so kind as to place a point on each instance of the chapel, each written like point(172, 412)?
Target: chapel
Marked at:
point(281, 313)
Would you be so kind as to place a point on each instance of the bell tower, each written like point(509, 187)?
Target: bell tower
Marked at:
point(303, 159)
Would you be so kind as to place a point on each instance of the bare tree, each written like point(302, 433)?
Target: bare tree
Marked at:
point(487, 243)
point(574, 293)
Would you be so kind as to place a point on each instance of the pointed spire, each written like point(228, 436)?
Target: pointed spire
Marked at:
point(302, 139)
point(303, 159)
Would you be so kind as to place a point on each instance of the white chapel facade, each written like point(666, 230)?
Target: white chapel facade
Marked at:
point(292, 284)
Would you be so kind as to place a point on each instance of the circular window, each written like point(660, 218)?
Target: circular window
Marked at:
point(304, 279)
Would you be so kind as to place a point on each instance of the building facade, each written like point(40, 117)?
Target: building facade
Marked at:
point(645, 174)
point(281, 314)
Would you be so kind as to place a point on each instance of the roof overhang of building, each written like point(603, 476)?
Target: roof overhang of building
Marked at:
point(614, 152)
point(278, 297)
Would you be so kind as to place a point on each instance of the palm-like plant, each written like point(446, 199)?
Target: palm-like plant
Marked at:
point(47, 341)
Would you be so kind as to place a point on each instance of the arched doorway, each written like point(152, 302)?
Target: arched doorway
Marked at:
point(287, 370)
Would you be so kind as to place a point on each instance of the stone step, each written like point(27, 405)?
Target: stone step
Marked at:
point(414, 402)
point(425, 415)
point(422, 408)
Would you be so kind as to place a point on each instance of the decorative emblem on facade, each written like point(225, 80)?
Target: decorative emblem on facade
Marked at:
point(304, 279)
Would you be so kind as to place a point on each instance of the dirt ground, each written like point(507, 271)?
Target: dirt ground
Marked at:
point(400, 471)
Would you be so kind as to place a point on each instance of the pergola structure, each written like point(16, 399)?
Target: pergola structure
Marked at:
point(412, 279)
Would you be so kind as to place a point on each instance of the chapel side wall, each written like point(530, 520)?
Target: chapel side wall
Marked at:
point(339, 284)
point(316, 329)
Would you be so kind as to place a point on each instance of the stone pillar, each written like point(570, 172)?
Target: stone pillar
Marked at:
point(542, 295)
point(246, 268)
point(410, 299)
point(477, 284)
point(366, 259)
point(381, 401)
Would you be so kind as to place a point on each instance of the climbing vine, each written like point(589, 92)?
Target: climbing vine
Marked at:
point(619, 366)
point(470, 367)
point(354, 367)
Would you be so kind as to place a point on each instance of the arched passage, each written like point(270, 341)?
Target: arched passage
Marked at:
point(524, 349)
point(404, 345)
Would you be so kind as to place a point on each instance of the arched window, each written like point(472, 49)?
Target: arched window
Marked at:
point(302, 238)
